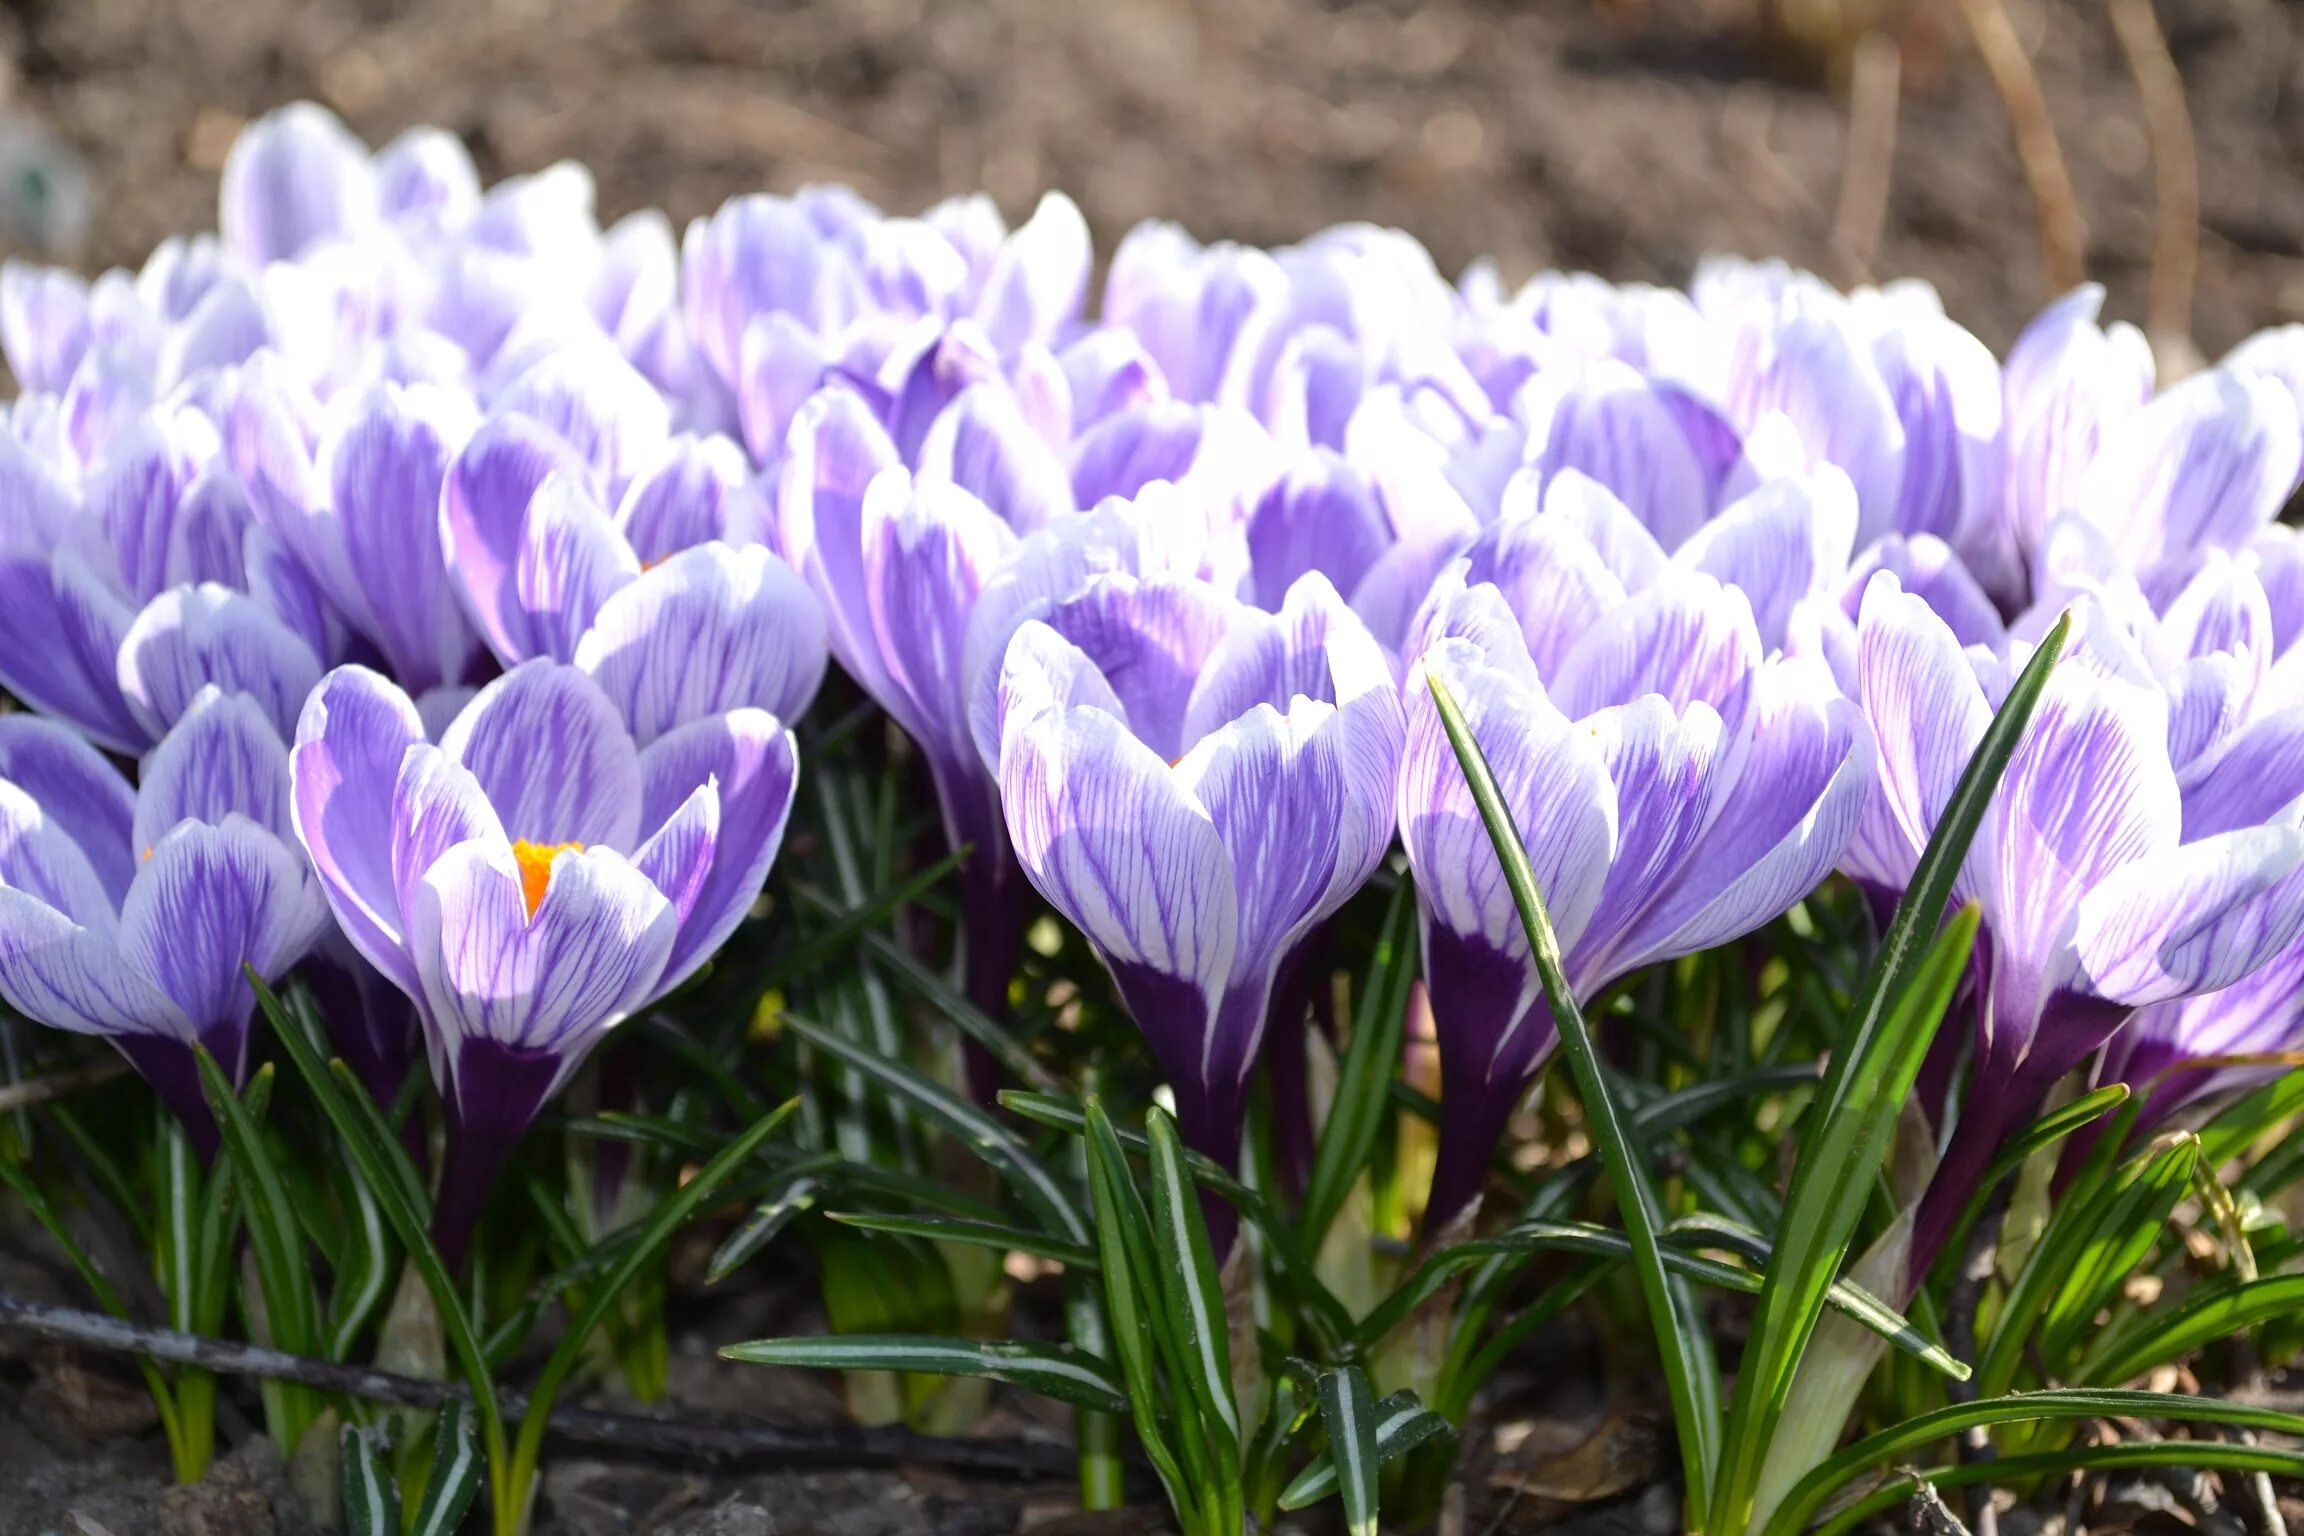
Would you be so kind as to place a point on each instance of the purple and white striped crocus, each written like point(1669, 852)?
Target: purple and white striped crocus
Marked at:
point(2106, 883)
point(124, 591)
point(534, 878)
point(1196, 783)
point(1675, 785)
point(135, 914)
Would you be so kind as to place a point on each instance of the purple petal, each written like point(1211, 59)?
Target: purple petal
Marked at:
point(1109, 372)
point(1685, 638)
point(43, 325)
point(77, 791)
point(554, 981)
point(1321, 515)
point(483, 521)
point(228, 326)
point(1317, 382)
point(437, 804)
point(40, 860)
point(1928, 712)
point(553, 757)
point(1926, 567)
point(982, 443)
point(190, 637)
point(709, 630)
point(2194, 919)
point(2255, 776)
point(295, 177)
point(1313, 648)
point(2071, 387)
point(1782, 544)
point(1039, 278)
point(384, 463)
point(1947, 392)
point(211, 902)
point(2202, 467)
point(758, 255)
point(223, 758)
point(836, 450)
point(70, 977)
point(750, 760)
point(1105, 832)
point(782, 364)
point(696, 494)
point(599, 403)
point(1811, 369)
point(344, 773)
point(1669, 768)
point(571, 561)
point(60, 635)
point(928, 550)
point(427, 173)
point(1151, 640)
point(1607, 422)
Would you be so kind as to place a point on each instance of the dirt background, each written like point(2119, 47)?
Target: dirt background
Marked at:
point(1627, 137)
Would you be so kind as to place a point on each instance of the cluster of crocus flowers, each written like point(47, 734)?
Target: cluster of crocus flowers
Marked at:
point(533, 538)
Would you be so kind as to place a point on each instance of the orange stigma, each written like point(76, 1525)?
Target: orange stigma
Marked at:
point(535, 861)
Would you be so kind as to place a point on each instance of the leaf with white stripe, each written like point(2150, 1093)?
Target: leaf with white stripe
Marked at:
point(1402, 1424)
point(976, 1234)
point(456, 1468)
point(1194, 1298)
point(1348, 1411)
point(1040, 1189)
point(371, 1494)
point(1053, 1370)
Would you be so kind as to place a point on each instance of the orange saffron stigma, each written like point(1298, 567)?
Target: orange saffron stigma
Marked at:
point(535, 861)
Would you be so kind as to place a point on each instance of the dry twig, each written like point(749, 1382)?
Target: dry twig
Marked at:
point(2042, 157)
point(1874, 91)
point(56, 1085)
point(2175, 178)
point(693, 1440)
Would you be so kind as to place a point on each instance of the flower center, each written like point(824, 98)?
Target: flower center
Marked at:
point(535, 861)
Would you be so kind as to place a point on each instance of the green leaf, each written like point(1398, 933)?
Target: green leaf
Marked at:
point(1321, 1311)
point(1402, 1424)
point(2201, 1321)
point(375, 1150)
point(1053, 1370)
point(2134, 1223)
point(371, 1494)
point(290, 1308)
point(456, 1468)
point(794, 1194)
point(365, 1277)
point(1691, 1373)
point(840, 937)
point(1370, 1059)
point(667, 1218)
point(2125, 1455)
point(978, 1234)
point(1191, 1293)
point(1348, 1412)
point(2040, 1135)
point(1895, 1016)
point(2237, 1126)
point(889, 957)
point(1131, 1292)
point(983, 1135)
point(1809, 1494)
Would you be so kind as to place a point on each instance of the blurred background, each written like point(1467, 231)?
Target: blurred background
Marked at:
point(1997, 148)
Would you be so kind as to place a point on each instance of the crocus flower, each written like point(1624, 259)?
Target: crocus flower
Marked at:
point(534, 878)
point(136, 915)
point(2105, 885)
point(1676, 789)
point(1195, 784)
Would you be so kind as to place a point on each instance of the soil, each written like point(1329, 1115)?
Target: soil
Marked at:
point(1628, 137)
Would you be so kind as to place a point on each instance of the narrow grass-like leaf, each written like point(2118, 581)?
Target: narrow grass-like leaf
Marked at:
point(371, 1493)
point(2201, 1322)
point(1370, 1059)
point(2128, 1455)
point(1040, 1189)
point(889, 958)
point(1895, 1016)
point(795, 1194)
point(669, 1215)
point(1348, 1412)
point(2035, 1138)
point(455, 1478)
point(369, 1141)
point(1330, 1323)
point(976, 1234)
point(840, 937)
point(290, 1308)
point(2134, 1224)
point(366, 1275)
point(1402, 1424)
point(1194, 1298)
point(1053, 1370)
point(1691, 1373)
point(1809, 1494)
point(1131, 1293)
